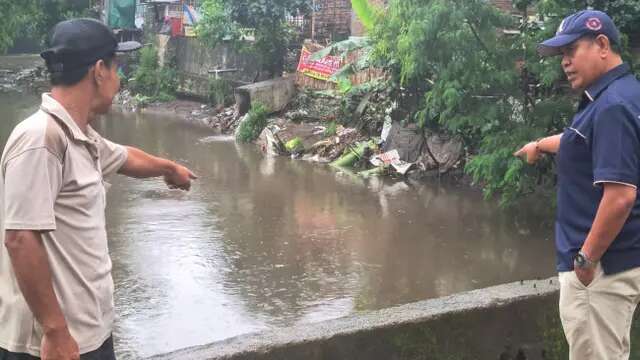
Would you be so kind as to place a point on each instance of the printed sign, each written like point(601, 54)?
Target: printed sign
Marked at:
point(321, 69)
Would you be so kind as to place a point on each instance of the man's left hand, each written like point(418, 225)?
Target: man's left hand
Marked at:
point(585, 275)
point(180, 178)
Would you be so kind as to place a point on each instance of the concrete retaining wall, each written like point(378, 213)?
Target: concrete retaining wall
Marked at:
point(275, 94)
point(193, 61)
point(493, 323)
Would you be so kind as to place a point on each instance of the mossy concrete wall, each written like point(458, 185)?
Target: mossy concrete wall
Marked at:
point(194, 60)
point(501, 322)
point(275, 94)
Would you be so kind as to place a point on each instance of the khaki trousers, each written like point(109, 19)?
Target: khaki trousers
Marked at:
point(597, 318)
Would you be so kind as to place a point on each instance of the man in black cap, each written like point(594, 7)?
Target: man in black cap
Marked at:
point(56, 290)
point(598, 216)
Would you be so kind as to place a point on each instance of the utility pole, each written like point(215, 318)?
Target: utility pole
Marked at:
point(313, 20)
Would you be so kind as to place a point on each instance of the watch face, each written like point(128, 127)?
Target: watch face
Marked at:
point(579, 260)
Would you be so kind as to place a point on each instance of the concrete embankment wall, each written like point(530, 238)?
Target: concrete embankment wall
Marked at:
point(194, 60)
point(493, 323)
point(275, 94)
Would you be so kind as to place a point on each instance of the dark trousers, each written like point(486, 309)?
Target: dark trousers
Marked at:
point(105, 352)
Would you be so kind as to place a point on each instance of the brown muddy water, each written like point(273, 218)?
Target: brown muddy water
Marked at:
point(264, 243)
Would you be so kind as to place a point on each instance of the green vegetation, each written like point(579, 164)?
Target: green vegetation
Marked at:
point(150, 82)
point(366, 12)
point(220, 92)
point(294, 145)
point(461, 73)
point(238, 20)
point(35, 18)
point(342, 49)
point(331, 130)
point(251, 127)
point(10, 25)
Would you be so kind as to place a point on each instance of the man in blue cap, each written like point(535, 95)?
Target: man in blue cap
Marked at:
point(56, 289)
point(598, 215)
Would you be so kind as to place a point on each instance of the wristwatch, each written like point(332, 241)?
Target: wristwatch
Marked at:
point(582, 261)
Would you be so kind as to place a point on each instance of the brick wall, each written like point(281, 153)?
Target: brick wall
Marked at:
point(331, 20)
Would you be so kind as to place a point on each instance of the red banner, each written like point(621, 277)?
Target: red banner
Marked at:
point(321, 69)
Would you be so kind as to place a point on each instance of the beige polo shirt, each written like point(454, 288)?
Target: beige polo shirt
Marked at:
point(51, 180)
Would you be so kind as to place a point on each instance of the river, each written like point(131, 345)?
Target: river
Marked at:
point(262, 243)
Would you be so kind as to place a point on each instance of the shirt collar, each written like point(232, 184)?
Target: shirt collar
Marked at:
point(595, 89)
point(52, 107)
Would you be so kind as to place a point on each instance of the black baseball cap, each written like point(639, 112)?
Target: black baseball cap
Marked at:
point(79, 43)
point(575, 26)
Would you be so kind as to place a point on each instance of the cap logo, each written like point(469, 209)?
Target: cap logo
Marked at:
point(594, 24)
point(561, 27)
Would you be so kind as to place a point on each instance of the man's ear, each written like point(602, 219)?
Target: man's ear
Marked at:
point(100, 71)
point(603, 43)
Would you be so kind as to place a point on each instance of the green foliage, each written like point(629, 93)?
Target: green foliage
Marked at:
point(331, 130)
point(471, 79)
point(235, 20)
point(152, 82)
point(625, 13)
point(342, 49)
point(294, 145)
point(220, 92)
point(36, 18)
point(10, 25)
point(344, 85)
point(366, 12)
point(554, 340)
point(251, 127)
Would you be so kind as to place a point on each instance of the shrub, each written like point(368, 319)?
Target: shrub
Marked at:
point(152, 81)
point(220, 92)
point(251, 127)
point(331, 129)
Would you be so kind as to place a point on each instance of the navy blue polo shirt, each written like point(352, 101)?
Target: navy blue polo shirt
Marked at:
point(601, 145)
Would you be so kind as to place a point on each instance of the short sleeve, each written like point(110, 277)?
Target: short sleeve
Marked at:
point(32, 182)
point(615, 147)
point(112, 156)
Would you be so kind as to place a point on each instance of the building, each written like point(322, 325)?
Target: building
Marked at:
point(330, 20)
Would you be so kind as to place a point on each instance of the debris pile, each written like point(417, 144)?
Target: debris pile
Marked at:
point(226, 120)
point(314, 106)
point(368, 144)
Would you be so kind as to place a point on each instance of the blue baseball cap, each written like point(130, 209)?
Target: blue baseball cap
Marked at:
point(575, 26)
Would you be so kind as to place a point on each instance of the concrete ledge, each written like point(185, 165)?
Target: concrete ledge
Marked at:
point(483, 324)
point(275, 94)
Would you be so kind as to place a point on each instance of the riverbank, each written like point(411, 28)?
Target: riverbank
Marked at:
point(371, 145)
point(308, 129)
point(22, 73)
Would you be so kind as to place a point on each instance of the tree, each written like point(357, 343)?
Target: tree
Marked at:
point(51, 12)
point(18, 14)
point(36, 18)
point(235, 20)
point(473, 79)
